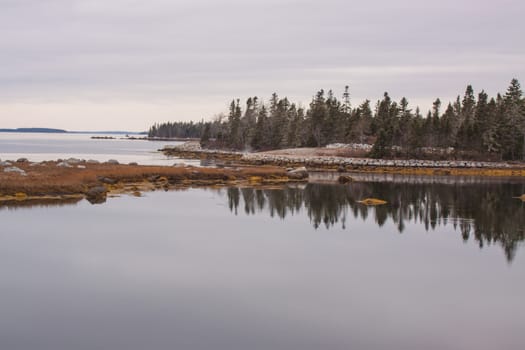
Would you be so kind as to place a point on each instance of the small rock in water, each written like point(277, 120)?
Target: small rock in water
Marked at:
point(113, 161)
point(372, 201)
point(344, 179)
point(299, 173)
point(15, 170)
point(96, 195)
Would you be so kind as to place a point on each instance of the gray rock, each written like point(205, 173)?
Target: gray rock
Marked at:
point(73, 161)
point(92, 161)
point(5, 163)
point(96, 195)
point(106, 180)
point(64, 164)
point(344, 179)
point(22, 160)
point(133, 163)
point(113, 161)
point(14, 169)
point(298, 173)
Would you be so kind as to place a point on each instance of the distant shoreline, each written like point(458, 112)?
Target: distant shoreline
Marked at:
point(35, 130)
point(63, 131)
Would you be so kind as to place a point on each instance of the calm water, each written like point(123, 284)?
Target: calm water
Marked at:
point(441, 266)
point(46, 146)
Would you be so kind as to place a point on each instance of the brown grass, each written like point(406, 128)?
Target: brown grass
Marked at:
point(48, 179)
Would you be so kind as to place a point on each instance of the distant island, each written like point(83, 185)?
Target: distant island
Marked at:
point(62, 131)
point(43, 130)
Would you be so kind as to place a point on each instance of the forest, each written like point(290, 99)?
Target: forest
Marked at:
point(471, 127)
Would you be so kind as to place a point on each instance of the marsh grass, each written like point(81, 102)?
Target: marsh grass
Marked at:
point(48, 179)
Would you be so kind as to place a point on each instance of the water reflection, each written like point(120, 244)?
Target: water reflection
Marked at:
point(485, 211)
point(38, 203)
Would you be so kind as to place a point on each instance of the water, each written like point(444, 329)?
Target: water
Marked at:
point(47, 146)
point(441, 266)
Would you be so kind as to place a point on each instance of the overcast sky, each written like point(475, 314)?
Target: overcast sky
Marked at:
point(125, 64)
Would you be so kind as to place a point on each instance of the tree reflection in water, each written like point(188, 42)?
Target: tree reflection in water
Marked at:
point(485, 211)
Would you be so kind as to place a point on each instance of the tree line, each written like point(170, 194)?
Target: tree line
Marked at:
point(470, 126)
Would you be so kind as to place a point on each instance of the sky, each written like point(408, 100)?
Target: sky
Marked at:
point(126, 64)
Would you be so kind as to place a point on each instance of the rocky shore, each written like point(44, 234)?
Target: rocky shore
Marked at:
point(22, 180)
point(287, 158)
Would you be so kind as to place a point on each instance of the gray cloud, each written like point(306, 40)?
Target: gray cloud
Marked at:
point(179, 53)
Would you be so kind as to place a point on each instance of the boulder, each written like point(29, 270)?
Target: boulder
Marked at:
point(73, 160)
point(22, 160)
point(92, 161)
point(344, 179)
point(64, 164)
point(96, 195)
point(298, 173)
point(106, 180)
point(113, 162)
point(133, 163)
point(16, 170)
point(372, 201)
point(5, 163)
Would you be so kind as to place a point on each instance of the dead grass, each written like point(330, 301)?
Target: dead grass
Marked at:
point(48, 179)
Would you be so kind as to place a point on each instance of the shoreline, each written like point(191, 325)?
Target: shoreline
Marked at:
point(75, 179)
point(23, 181)
point(315, 162)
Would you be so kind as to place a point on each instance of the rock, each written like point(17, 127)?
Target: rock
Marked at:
point(133, 163)
point(113, 161)
point(73, 161)
point(22, 160)
point(81, 166)
point(344, 179)
point(372, 201)
point(92, 161)
point(5, 163)
point(14, 169)
point(341, 169)
point(64, 164)
point(106, 180)
point(96, 195)
point(298, 173)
